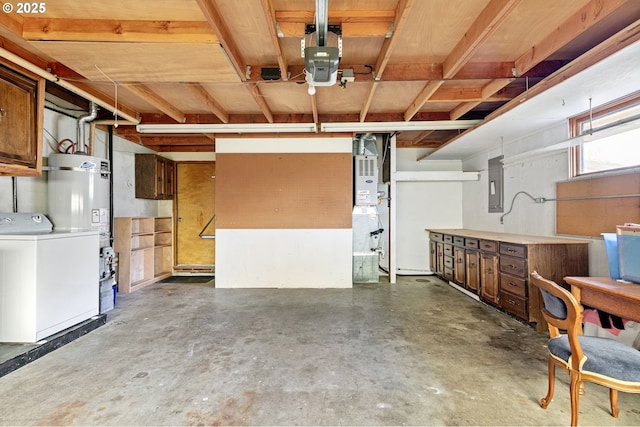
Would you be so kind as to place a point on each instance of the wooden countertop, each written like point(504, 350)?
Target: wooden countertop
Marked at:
point(523, 239)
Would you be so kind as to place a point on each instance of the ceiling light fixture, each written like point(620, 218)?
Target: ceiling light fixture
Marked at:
point(227, 128)
point(397, 126)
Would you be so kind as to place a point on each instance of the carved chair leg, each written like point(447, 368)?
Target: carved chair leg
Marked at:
point(574, 391)
point(544, 402)
point(613, 396)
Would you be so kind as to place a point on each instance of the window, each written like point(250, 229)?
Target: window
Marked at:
point(615, 143)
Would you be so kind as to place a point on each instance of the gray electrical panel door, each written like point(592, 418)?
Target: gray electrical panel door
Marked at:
point(496, 190)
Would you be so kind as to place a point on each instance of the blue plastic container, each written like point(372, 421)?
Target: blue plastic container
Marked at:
point(629, 252)
point(611, 245)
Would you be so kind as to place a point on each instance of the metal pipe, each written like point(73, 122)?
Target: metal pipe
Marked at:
point(93, 113)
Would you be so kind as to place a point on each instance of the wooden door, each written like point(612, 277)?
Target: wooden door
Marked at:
point(194, 207)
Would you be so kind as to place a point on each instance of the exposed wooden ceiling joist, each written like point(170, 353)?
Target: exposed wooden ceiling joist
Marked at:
point(211, 103)
point(156, 100)
point(227, 43)
point(426, 93)
point(270, 16)
point(592, 13)
point(483, 27)
point(108, 30)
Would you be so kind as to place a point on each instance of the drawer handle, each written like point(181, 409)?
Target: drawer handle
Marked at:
point(488, 271)
point(472, 265)
point(511, 250)
point(512, 284)
point(460, 260)
point(512, 266)
point(512, 302)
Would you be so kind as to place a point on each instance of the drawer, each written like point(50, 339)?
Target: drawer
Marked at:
point(448, 262)
point(513, 285)
point(471, 243)
point(448, 250)
point(514, 305)
point(448, 274)
point(458, 241)
point(447, 238)
point(488, 246)
point(436, 237)
point(513, 250)
point(514, 266)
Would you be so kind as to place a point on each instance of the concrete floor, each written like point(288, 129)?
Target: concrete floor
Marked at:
point(415, 353)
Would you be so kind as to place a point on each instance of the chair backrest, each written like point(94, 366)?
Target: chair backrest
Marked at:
point(562, 312)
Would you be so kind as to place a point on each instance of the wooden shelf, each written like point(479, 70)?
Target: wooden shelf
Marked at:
point(145, 251)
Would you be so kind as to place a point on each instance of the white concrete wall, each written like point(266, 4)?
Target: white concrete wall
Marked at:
point(284, 258)
point(537, 176)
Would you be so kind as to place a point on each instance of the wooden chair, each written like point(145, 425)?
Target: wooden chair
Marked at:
point(587, 359)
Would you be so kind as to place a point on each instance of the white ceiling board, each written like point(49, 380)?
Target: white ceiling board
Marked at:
point(610, 79)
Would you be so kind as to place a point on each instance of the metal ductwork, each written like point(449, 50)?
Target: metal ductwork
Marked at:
point(93, 113)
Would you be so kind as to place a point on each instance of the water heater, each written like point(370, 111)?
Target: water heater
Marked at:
point(79, 194)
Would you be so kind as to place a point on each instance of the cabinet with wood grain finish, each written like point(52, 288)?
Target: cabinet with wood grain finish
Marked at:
point(21, 121)
point(154, 177)
point(497, 266)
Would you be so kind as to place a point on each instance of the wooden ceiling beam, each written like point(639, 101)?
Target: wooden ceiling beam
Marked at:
point(108, 30)
point(463, 109)
point(156, 100)
point(367, 103)
point(270, 16)
point(158, 140)
point(489, 20)
point(400, 18)
point(215, 20)
point(423, 72)
point(12, 22)
point(401, 14)
point(407, 143)
point(314, 108)
point(487, 92)
point(259, 98)
point(336, 16)
point(212, 104)
point(422, 135)
point(588, 16)
point(426, 93)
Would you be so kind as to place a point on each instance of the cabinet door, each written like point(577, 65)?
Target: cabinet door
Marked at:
point(489, 277)
point(473, 271)
point(168, 179)
point(440, 261)
point(433, 258)
point(21, 100)
point(459, 265)
point(159, 178)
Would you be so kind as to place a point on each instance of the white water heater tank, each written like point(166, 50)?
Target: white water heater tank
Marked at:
point(79, 193)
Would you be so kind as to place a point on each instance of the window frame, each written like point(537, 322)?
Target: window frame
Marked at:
point(576, 123)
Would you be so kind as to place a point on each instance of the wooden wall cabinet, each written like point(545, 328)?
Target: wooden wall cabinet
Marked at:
point(154, 177)
point(21, 121)
point(145, 251)
point(497, 266)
